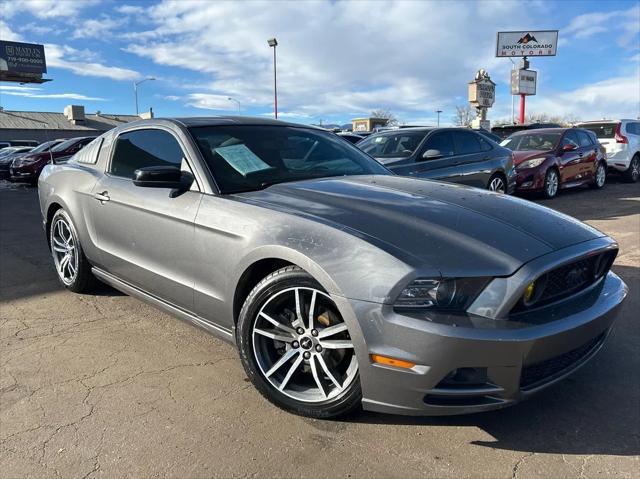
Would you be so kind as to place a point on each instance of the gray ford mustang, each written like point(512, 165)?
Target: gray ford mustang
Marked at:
point(342, 284)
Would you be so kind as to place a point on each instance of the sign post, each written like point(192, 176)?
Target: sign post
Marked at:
point(482, 95)
point(542, 43)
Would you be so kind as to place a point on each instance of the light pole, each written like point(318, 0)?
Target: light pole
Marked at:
point(135, 89)
point(274, 43)
point(438, 112)
point(236, 101)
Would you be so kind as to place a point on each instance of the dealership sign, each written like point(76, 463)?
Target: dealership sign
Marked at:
point(527, 43)
point(482, 91)
point(22, 57)
point(523, 82)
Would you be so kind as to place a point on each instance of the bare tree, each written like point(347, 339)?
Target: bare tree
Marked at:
point(385, 114)
point(464, 115)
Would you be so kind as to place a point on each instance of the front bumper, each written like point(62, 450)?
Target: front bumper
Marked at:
point(520, 356)
point(530, 179)
point(18, 174)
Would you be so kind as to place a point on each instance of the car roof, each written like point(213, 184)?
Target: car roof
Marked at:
point(229, 120)
point(541, 130)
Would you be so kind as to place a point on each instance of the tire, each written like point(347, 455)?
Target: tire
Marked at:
point(308, 391)
point(600, 176)
point(632, 174)
point(551, 184)
point(497, 183)
point(74, 273)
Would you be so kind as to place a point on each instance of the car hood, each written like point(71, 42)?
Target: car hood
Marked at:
point(457, 229)
point(520, 156)
point(390, 161)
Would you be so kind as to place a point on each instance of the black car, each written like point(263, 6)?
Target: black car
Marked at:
point(503, 131)
point(452, 154)
point(350, 137)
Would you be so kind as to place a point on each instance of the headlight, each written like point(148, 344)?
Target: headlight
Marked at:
point(446, 293)
point(532, 163)
point(24, 161)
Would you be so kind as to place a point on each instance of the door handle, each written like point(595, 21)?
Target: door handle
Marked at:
point(102, 197)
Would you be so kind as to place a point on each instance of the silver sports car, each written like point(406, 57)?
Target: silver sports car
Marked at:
point(342, 284)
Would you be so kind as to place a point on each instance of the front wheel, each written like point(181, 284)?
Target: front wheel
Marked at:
point(632, 174)
point(497, 183)
point(551, 184)
point(295, 347)
point(600, 177)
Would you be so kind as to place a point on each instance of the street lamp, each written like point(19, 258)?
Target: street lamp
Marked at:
point(237, 102)
point(438, 112)
point(135, 89)
point(274, 43)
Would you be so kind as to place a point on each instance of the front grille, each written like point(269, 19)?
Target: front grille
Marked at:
point(567, 280)
point(547, 370)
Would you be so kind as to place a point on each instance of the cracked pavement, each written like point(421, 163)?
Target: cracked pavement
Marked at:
point(106, 386)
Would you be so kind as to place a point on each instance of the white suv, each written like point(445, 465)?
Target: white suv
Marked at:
point(621, 139)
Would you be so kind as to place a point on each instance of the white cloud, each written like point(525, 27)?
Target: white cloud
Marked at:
point(210, 102)
point(621, 24)
point(44, 8)
point(7, 34)
point(130, 9)
point(612, 98)
point(333, 57)
point(79, 62)
point(31, 92)
point(37, 29)
point(101, 28)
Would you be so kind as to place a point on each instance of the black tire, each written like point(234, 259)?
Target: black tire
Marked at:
point(601, 169)
point(497, 183)
point(548, 190)
point(83, 280)
point(632, 174)
point(346, 402)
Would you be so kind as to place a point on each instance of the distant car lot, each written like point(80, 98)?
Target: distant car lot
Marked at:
point(105, 383)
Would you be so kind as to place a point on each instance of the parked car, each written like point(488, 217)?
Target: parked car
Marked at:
point(350, 137)
point(7, 155)
point(8, 143)
point(621, 139)
point(450, 154)
point(340, 283)
point(551, 159)
point(504, 131)
point(28, 167)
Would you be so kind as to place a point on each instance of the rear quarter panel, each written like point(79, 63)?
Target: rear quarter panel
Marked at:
point(70, 186)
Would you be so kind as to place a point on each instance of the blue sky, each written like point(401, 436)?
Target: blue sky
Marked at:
point(336, 60)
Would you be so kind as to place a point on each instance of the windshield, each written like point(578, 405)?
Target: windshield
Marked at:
point(64, 145)
point(245, 158)
point(532, 141)
point(602, 130)
point(43, 147)
point(394, 145)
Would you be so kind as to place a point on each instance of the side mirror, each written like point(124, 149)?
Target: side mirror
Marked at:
point(569, 147)
point(162, 177)
point(431, 155)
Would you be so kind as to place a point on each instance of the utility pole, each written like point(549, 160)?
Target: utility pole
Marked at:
point(274, 43)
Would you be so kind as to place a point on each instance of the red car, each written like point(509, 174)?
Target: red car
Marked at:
point(549, 159)
point(28, 167)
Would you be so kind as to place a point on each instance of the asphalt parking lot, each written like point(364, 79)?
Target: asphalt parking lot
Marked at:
point(106, 386)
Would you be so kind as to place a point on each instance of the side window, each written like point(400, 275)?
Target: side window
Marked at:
point(570, 138)
point(142, 148)
point(633, 128)
point(484, 144)
point(584, 139)
point(440, 141)
point(466, 143)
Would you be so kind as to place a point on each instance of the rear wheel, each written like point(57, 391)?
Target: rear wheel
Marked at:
point(632, 174)
point(551, 183)
point(600, 176)
point(296, 348)
point(72, 266)
point(497, 183)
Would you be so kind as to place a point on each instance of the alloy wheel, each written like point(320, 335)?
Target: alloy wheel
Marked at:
point(64, 250)
point(635, 169)
point(601, 176)
point(302, 345)
point(497, 185)
point(552, 183)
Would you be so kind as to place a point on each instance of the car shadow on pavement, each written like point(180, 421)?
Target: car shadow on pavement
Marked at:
point(594, 411)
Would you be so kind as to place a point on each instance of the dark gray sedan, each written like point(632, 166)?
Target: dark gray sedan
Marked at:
point(458, 155)
point(341, 284)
